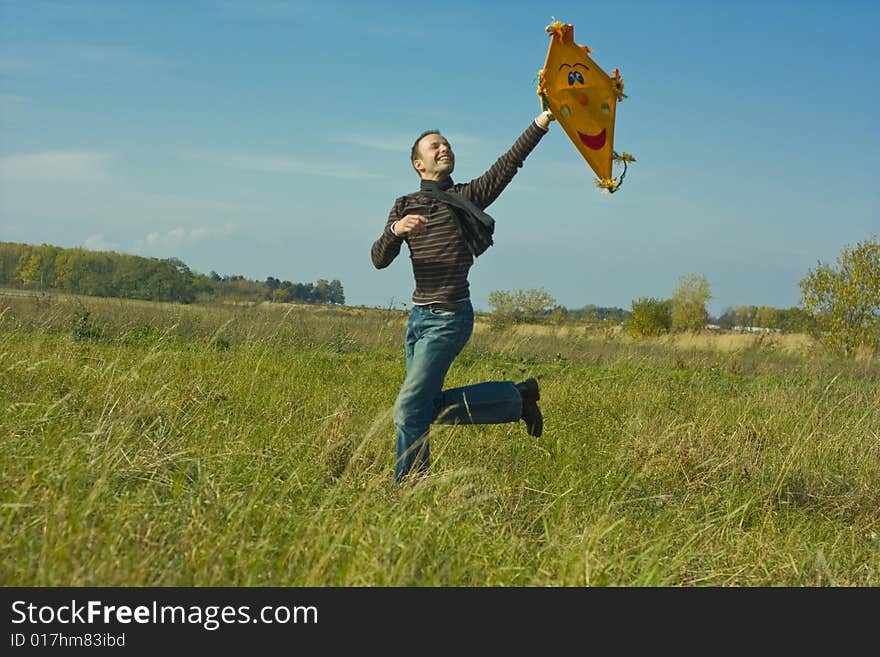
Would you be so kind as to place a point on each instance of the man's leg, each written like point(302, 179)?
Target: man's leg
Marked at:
point(492, 402)
point(432, 342)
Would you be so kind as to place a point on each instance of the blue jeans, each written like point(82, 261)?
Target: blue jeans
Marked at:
point(434, 338)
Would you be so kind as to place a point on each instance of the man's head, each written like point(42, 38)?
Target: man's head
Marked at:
point(432, 156)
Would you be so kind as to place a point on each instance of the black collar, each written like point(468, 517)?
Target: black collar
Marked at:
point(435, 185)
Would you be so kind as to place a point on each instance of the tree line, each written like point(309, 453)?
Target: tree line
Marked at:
point(111, 274)
point(239, 288)
point(537, 305)
point(686, 310)
point(840, 305)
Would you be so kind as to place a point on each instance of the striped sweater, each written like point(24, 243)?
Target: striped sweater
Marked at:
point(440, 258)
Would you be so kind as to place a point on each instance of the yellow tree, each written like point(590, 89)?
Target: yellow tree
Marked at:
point(650, 317)
point(688, 311)
point(534, 303)
point(845, 301)
point(30, 267)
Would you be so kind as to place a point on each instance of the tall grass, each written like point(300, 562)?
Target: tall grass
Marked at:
point(154, 444)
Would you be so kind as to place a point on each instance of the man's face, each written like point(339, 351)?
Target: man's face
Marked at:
point(435, 159)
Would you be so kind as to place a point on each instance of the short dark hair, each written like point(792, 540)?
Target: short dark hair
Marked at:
point(414, 154)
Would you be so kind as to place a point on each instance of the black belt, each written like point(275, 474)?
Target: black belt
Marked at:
point(446, 305)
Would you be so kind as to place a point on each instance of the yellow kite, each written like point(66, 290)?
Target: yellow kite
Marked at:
point(583, 98)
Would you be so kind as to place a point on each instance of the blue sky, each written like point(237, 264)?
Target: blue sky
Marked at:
point(271, 138)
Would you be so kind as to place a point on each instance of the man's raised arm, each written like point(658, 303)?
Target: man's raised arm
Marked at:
point(484, 190)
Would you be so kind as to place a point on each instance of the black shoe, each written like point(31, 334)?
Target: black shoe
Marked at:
point(529, 389)
point(531, 414)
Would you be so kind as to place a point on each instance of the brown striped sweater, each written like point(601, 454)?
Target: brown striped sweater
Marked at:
point(440, 258)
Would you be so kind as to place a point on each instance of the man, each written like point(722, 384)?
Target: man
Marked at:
point(445, 228)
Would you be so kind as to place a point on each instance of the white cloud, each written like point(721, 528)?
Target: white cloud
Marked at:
point(269, 163)
point(75, 166)
point(177, 236)
point(76, 195)
point(97, 242)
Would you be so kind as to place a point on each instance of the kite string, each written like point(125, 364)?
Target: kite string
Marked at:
point(620, 179)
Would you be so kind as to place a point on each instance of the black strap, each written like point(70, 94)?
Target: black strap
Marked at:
point(475, 226)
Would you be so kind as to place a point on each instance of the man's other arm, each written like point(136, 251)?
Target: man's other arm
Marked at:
point(386, 248)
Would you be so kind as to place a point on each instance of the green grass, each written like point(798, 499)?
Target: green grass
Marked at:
point(153, 444)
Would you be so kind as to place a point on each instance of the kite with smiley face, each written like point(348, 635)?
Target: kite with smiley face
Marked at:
point(583, 98)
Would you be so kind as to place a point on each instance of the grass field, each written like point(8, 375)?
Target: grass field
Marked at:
point(157, 444)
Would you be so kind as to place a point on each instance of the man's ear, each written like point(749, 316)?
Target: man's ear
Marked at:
point(418, 165)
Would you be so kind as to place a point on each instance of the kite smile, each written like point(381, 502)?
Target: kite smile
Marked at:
point(595, 142)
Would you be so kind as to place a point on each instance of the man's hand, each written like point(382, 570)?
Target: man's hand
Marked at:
point(544, 118)
point(411, 224)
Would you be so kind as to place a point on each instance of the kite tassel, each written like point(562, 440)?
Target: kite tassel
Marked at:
point(611, 185)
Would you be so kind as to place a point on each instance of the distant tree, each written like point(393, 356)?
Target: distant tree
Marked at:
point(559, 315)
point(128, 278)
point(204, 286)
point(9, 255)
point(534, 303)
point(788, 320)
point(593, 313)
point(110, 274)
point(650, 316)
point(845, 301)
point(519, 305)
point(321, 291)
point(301, 292)
point(71, 267)
point(727, 319)
point(768, 317)
point(747, 316)
point(280, 294)
point(183, 289)
point(30, 268)
point(796, 320)
point(335, 293)
point(502, 302)
point(689, 298)
point(504, 311)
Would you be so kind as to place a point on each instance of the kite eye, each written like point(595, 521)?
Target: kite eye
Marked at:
point(579, 77)
point(570, 79)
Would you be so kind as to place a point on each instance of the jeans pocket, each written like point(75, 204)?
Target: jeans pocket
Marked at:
point(437, 312)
